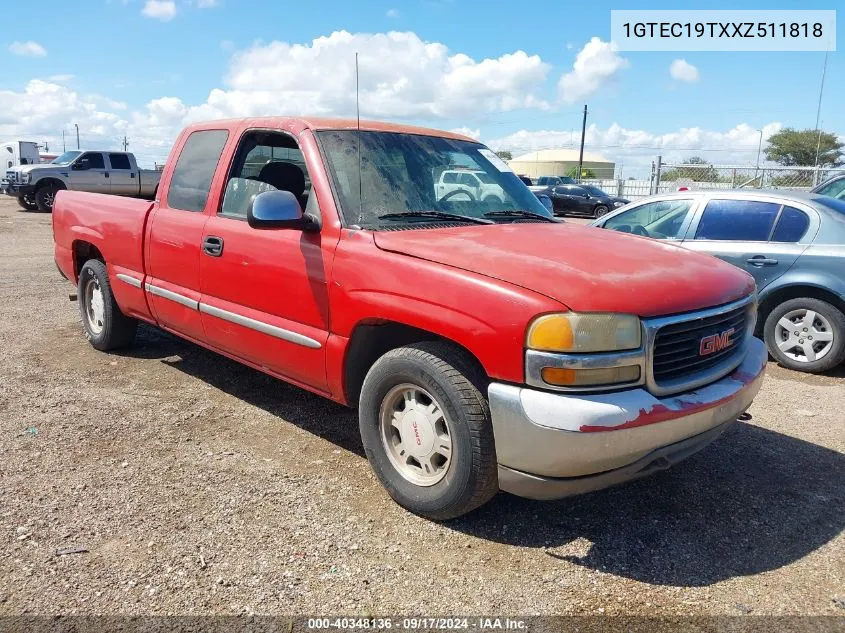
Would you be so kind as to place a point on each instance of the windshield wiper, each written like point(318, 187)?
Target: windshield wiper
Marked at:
point(436, 214)
point(520, 214)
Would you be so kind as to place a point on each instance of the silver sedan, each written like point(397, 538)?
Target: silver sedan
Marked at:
point(792, 243)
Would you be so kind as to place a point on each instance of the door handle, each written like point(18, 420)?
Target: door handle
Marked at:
point(213, 246)
point(107, 174)
point(762, 260)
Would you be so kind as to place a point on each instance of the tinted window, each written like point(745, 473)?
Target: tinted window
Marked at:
point(119, 161)
point(572, 190)
point(835, 189)
point(791, 226)
point(194, 170)
point(450, 177)
point(95, 160)
point(469, 180)
point(661, 220)
point(738, 220)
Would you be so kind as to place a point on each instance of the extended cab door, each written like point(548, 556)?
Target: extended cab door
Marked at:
point(175, 235)
point(123, 175)
point(89, 173)
point(264, 291)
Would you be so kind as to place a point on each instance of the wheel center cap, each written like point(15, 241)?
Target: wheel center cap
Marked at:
point(417, 434)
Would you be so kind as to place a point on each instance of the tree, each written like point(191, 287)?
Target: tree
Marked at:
point(699, 171)
point(793, 147)
point(504, 155)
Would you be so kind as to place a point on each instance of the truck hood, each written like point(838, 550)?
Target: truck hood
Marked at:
point(24, 169)
point(586, 269)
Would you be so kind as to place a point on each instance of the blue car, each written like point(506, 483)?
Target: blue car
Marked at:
point(792, 243)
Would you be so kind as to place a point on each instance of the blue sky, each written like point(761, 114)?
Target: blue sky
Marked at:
point(115, 71)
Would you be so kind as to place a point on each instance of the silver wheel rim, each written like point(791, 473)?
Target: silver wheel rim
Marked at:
point(95, 306)
point(49, 197)
point(804, 335)
point(415, 434)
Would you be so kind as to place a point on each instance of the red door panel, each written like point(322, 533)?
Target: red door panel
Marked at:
point(265, 298)
point(173, 283)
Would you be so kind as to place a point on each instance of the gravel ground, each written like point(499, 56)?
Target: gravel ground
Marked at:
point(196, 486)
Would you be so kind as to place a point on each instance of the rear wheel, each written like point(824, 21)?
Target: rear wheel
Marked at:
point(600, 211)
point(45, 197)
point(806, 335)
point(425, 426)
point(27, 201)
point(106, 327)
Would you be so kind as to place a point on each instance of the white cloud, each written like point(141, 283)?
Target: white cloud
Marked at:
point(637, 148)
point(595, 64)
point(28, 49)
point(682, 70)
point(422, 80)
point(163, 10)
point(60, 78)
point(467, 131)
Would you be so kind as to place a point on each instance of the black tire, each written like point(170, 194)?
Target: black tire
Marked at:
point(834, 317)
point(45, 197)
point(27, 202)
point(445, 373)
point(600, 210)
point(115, 330)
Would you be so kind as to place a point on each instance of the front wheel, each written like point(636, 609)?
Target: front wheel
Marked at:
point(106, 327)
point(425, 426)
point(600, 211)
point(27, 201)
point(45, 197)
point(806, 335)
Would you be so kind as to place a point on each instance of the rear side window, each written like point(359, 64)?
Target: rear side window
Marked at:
point(737, 220)
point(450, 178)
point(195, 169)
point(791, 226)
point(119, 161)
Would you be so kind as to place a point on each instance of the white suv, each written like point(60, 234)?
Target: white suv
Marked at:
point(477, 184)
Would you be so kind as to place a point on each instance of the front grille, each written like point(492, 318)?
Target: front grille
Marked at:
point(677, 346)
point(11, 176)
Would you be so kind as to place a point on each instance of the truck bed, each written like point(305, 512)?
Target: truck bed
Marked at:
point(84, 220)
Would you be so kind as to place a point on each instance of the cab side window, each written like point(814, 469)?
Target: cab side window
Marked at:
point(119, 162)
point(266, 161)
point(194, 171)
point(95, 160)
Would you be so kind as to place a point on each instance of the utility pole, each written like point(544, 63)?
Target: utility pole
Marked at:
point(64, 147)
point(583, 132)
point(76, 125)
point(125, 143)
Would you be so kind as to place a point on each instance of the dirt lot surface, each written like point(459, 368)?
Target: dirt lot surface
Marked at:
point(196, 485)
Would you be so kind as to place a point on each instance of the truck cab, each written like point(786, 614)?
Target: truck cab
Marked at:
point(476, 185)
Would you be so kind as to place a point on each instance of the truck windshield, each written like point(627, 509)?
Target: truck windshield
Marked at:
point(400, 179)
point(66, 158)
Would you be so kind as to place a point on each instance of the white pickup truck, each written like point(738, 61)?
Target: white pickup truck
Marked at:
point(477, 185)
point(117, 173)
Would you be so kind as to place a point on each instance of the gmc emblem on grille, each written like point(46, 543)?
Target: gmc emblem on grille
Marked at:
point(715, 343)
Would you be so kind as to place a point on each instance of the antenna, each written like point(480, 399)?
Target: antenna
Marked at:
point(358, 115)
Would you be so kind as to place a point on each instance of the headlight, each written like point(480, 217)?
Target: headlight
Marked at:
point(24, 177)
point(618, 204)
point(588, 332)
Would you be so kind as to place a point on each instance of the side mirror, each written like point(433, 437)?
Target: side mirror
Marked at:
point(279, 210)
point(82, 165)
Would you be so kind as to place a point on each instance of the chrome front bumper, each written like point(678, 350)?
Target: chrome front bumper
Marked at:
point(552, 445)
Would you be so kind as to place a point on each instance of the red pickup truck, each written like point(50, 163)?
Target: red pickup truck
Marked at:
point(486, 345)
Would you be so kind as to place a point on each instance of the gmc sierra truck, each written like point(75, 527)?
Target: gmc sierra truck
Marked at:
point(117, 173)
point(485, 345)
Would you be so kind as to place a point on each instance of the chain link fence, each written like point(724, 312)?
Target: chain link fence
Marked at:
point(668, 177)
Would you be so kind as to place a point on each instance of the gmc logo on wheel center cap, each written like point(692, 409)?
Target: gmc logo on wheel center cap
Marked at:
point(715, 342)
